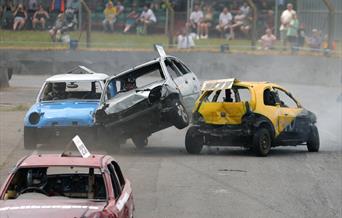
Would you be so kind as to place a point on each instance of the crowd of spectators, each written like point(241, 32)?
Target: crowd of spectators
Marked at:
point(228, 19)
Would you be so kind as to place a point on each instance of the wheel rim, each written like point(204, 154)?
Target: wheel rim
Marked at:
point(181, 112)
point(264, 142)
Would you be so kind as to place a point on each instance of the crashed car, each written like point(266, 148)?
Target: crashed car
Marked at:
point(148, 98)
point(64, 107)
point(258, 115)
point(55, 185)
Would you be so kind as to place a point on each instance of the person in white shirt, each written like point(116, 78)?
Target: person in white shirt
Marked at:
point(196, 18)
point(285, 20)
point(225, 21)
point(245, 9)
point(147, 18)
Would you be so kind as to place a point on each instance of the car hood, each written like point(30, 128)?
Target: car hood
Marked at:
point(51, 208)
point(67, 113)
point(125, 100)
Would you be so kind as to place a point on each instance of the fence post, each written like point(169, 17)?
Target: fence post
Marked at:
point(88, 22)
point(171, 14)
point(254, 22)
point(331, 21)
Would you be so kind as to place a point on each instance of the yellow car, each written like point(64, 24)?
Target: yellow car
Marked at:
point(258, 115)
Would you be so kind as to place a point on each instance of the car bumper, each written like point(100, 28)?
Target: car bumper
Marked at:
point(227, 135)
point(57, 134)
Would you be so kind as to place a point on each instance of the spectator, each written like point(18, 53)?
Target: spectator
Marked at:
point(268, 40)
point(301, 35)
point(314, 41)
point(292, 32)
point(20, 17)
point(40, 17)
point(184, 39)
point(58, 28)
point(146, 19)
point(131, 18)
point(206, 23)
point(285, 20)
point(110, 13)
point(225, 21)
point(240, 21)
point(195, 19)
point(119, 7)
point(245, 9)
point(74, 4)
point(269, 20)
point(7, 13)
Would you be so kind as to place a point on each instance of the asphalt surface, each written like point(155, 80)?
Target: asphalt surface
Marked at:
point(225, 182)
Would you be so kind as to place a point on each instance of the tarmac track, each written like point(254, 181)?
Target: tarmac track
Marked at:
point(224, 182)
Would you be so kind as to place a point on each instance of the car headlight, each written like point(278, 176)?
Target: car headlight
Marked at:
point(34, 118)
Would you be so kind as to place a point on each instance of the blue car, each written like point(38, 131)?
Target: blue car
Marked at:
point(65, 107)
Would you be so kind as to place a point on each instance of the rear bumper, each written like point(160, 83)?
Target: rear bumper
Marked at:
point(226, 135)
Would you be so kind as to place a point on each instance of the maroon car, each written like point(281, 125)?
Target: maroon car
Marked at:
point(52, 185)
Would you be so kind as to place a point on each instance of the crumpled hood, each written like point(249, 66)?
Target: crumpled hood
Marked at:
point(125, 100)
point(66, 113)
point(51, 208)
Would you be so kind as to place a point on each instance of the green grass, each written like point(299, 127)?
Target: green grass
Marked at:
point(101, 40)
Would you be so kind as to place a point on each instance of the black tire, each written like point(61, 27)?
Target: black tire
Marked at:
point(193, 141)
point(262, 142)
point(313, 141)
point(140, 142)
point(179, 116)
point(30, 140)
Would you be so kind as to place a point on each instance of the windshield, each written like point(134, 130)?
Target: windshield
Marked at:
point(68, 182)
point(74, 90)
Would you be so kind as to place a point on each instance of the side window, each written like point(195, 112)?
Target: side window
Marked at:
point(184, 69)
point(269, 97)
point(227, 95)
point(119, 174)
point(115, 181)
point(285, 99)
point(243, 94)
point(172, 69)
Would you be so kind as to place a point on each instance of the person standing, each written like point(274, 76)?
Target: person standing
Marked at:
point(285, 20)
point(292, 32)
point(195, 19)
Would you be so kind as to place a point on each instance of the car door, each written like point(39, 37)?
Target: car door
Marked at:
point(292, 122)
point(187, 82)
point(117, 207)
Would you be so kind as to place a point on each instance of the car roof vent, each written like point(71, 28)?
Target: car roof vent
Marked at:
point(80, 70)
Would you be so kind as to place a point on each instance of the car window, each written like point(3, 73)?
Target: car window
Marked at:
point(119, 173)
point(269, 97)
point(285, 100)
point(172, 69)
point(184, 69)
point(243, 94)
point(80, 90)
point(115, 181)
point(64, 181)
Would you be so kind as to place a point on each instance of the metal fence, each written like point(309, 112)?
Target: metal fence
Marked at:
point(314, 15)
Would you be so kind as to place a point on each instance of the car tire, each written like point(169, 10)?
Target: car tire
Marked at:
point(193, 141)
point(179, 116)
point(140, 142)
point(30, 141)
point(262, 142)
point(313, 141)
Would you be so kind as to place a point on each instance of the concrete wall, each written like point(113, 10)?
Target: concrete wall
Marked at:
point(295, 69)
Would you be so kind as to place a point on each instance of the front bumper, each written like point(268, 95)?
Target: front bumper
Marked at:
point(62, 134)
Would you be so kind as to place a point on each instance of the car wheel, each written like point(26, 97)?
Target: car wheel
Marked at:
point(30, 139)
point(313, 141)
point(179, 116)
point(193, 141)
point(262, 142)
point(140, 142)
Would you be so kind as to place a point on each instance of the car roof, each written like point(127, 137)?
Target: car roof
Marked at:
point(79, 73)
point(39, 160)
point(210, 85)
